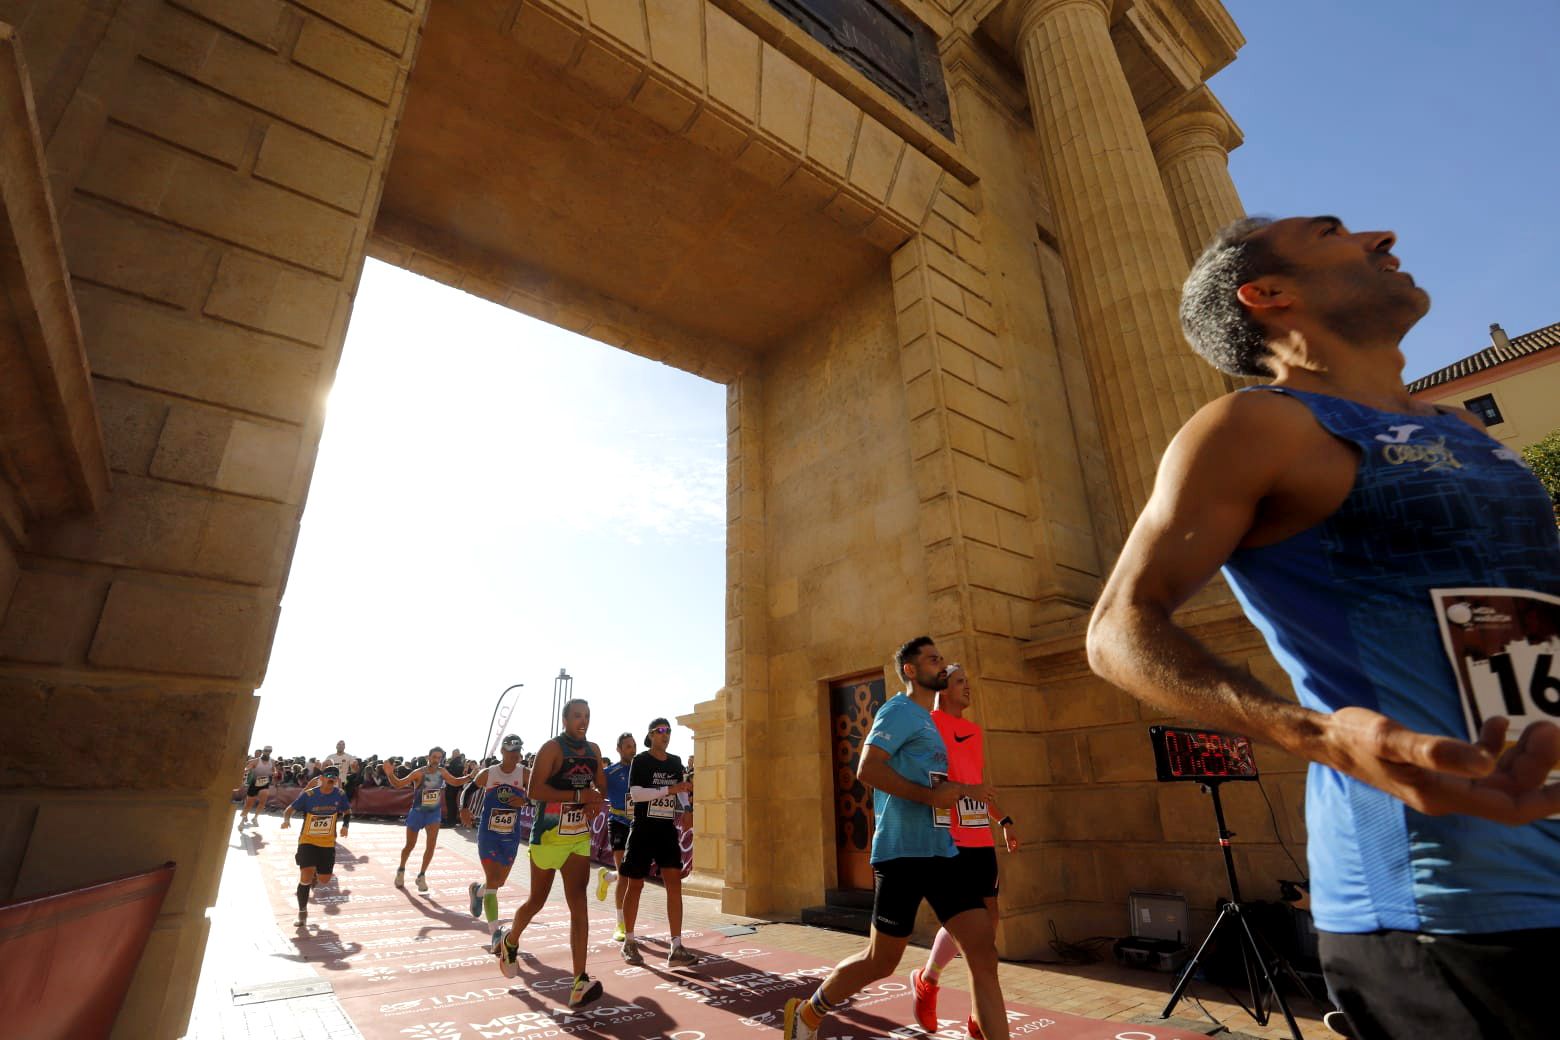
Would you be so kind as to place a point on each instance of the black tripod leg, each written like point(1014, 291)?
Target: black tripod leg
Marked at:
point(1255, 950)
point(1191, 965)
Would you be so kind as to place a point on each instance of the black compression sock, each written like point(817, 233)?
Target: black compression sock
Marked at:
point(303, 897)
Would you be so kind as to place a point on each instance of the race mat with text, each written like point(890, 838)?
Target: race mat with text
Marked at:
point(408, 965)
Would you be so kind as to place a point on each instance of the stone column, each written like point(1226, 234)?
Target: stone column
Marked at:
point(708, 722)
point(1192, 141)
point(1119, 242)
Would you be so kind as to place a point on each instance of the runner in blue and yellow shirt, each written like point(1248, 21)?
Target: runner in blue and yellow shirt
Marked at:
point(322, 808)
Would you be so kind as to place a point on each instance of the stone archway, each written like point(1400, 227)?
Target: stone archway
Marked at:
point(930, 395)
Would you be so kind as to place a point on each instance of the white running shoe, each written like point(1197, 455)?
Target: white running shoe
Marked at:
point(400, 878)
point(422, 883)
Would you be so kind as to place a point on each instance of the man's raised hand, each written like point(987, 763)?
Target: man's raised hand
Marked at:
point(1441, 775)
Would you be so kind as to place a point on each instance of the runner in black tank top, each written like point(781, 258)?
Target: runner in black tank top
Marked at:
point(568, 788)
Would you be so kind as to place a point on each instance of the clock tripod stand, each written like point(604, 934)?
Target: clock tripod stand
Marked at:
point(1233, 925)
point(1213, 759)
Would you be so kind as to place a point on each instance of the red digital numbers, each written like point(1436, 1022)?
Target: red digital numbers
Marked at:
point(1191, 753)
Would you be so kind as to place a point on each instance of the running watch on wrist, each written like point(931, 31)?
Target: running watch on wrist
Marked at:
point(1006, 821)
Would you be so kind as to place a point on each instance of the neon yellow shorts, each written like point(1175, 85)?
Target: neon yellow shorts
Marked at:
point(551, 852)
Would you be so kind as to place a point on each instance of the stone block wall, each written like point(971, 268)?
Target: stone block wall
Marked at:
point(216, 167)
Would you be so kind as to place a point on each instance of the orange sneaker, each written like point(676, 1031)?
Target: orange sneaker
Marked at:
point(924, 997)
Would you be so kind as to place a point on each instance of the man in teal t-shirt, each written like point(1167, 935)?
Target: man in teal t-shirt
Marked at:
point(905, 763)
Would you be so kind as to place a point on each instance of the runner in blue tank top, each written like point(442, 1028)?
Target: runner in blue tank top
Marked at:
point(1369, 537)
point(427, 809)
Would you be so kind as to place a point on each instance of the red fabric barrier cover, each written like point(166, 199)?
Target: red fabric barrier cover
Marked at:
point(382, 801)
point(49, 988)
point(369, 801)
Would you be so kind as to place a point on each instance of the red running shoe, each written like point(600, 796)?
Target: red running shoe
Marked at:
point(924, 995)
point(973, 1028)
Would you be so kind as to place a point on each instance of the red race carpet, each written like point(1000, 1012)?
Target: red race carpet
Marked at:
point(410, 966)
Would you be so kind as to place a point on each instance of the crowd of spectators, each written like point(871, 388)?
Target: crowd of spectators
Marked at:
point(300, 771)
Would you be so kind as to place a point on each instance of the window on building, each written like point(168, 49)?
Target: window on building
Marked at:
point(1485, 408)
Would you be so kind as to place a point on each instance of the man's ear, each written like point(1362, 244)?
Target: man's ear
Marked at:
point(1265, 294)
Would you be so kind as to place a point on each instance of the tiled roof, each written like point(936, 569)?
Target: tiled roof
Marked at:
point(1521, 346)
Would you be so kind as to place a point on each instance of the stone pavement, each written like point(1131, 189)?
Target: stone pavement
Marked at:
point(252, 952)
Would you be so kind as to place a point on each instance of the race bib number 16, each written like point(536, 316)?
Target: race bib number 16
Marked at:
point(1504, 648)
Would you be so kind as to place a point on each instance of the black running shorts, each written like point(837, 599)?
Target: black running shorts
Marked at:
point(617, 833)
point(652, 841)
point(254, 791)
point(899, 885)
point(1406, 984)
point(323, 860)
point(979, 869)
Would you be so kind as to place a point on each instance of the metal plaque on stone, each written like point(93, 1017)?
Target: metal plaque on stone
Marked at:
point(887, 44)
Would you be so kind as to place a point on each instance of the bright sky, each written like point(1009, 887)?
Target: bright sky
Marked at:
point(1434, 118)
point(496, 498)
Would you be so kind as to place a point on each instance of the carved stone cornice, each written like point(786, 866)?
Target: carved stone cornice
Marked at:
point(970, 60)
point(51, 443)
point(1189, 121)
point(1166, 46)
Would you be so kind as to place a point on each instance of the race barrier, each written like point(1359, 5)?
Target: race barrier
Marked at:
point(49, 988)
point(393, 801)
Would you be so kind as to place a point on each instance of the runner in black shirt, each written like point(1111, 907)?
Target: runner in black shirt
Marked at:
point(657, 787)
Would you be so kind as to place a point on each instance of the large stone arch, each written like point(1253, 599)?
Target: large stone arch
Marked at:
point(919, 437)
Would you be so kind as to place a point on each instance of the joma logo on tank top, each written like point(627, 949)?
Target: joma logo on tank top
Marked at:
point(1398, 450)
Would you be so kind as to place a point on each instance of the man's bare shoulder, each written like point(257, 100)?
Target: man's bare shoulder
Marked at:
point(1258, 427)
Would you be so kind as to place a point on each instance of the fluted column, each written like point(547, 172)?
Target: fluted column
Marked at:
point(1192, 142)
point(1119, 241)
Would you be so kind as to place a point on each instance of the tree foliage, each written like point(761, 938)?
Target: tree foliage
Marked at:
point(1544, 458)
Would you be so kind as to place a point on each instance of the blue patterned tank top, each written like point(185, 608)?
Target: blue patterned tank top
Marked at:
point(1346, 609)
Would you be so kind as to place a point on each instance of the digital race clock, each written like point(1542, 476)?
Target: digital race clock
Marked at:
point(1201, 756)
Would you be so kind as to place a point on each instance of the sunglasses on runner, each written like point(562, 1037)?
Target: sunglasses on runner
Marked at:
point(662, 729)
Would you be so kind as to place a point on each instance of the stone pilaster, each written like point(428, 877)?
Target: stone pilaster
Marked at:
point(708, 722)
point(1192, 141)
point(1119, 241)
point(745, 698)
